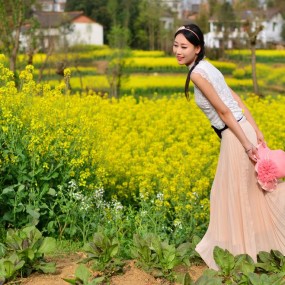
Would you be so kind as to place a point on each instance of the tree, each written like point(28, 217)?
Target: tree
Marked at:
point(123, 13)
point(252, 35)
point(283, 32)
point(31, 31)
point(96, 10)
point(203, 20)
point(148, 24)
point(13, 14)
point(246, 4)
point(276, 3)
point(227, 22)
point(118, 39)
point(213, 6)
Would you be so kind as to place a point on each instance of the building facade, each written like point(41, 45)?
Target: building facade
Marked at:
point(52, 5)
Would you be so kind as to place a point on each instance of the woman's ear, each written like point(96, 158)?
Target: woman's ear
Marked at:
point(197, 50)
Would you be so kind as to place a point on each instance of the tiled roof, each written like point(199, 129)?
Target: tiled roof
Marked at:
point(56, 19)
point(83, 19)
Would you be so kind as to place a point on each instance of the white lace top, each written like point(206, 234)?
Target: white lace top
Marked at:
point(216, 78)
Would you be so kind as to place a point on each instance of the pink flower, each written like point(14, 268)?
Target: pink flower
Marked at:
point(266, 174)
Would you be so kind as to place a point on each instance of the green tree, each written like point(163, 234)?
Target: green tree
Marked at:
point(113, 8)
point(109, 13)
point(227, 22)
point(213, 6)
point(276, 3)
point(246, 4)
point(119, 42)
point(96, 10)
point(148, 24)
point(14, 14)
point(283, 32)
point(203, 20)
point(252, 33)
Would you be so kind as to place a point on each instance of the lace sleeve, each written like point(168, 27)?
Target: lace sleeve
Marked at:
point(202, 72)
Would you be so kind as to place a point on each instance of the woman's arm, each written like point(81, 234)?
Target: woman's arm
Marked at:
point(225, 113)
point(249, 117)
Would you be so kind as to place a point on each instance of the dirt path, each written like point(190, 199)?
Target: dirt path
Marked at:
point(66, 266)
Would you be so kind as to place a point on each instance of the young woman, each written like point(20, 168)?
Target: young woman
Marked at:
point(243, 217)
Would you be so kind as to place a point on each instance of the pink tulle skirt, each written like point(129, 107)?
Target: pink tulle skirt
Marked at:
point(243, 217)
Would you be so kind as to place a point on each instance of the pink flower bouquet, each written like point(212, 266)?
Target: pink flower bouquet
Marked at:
point(270, 167)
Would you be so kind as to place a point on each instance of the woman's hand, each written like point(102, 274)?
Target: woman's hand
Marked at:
point(260, 138)
point(252, 153)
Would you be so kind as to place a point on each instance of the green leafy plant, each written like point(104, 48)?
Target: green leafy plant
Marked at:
point(83, 276)
point(273, 261)
point(103, 251)
point(233, 269)
point(209, 277)
point(29, 246)
point(241, 269)
point(9, 267)
point(264, 279)
point(159, 257)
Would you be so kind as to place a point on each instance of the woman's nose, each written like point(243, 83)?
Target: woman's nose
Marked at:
point(178, 50)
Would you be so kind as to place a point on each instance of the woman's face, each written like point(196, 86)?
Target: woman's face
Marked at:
point(184, 51)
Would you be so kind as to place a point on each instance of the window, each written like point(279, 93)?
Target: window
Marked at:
point(47, 7)
point(274, 24)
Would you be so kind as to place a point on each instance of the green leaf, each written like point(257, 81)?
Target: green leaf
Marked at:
point(8, 190)
point(265, 257)
point(195, 241)
point(19, 265)
point(21, 187)
point(114, 250)
point(206, 280)
point(36, 215)
point(49, 267)
point(30, 253)
point(52, 192)
point(13, 241)
point(9, 269)
point(224, 259)
point(2, 250)
point(277, 279)
point(277, 254)
point(184, 279)
point(244, 264)
point(183, 248)
point(97, 280)
point(32, 233)
point(100, 241)
point(155, 245)
point(70, 281)
point(82, 273)
point(265, 266)
point(48, 245)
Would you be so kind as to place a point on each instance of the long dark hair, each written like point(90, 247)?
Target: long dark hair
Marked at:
point(195, 36)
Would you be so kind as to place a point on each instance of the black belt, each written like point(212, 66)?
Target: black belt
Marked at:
point(219, 131)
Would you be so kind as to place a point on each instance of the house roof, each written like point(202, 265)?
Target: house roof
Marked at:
point(56, 19)
point(83, 19)
point(270, 13)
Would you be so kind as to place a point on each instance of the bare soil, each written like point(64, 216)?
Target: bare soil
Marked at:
point(132, 275)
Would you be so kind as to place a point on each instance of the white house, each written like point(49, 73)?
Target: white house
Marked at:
point(85, 31)
point(52, 5)
point(272, 27)
point(271, 20)
point(63, 29)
